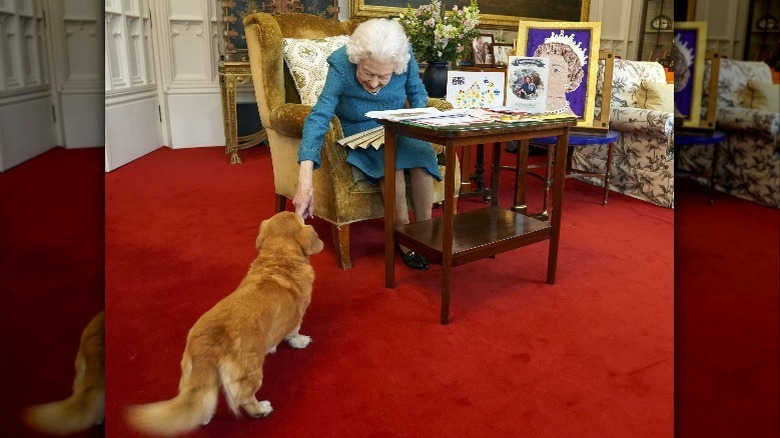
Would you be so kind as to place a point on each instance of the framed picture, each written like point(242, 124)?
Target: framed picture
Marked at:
point(501, 54)
point(492, 13)
point(473, 89)
point(482, 50)
point(232, 45)
point(527, 83)
point(573, 49)
point(690, 40)
point(657, 55)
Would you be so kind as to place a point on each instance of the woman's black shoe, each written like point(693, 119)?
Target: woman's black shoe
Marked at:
point(414, 260)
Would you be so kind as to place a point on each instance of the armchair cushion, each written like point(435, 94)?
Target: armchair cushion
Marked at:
point(756, 122)
point(656, 96)
point(307, 61)
point(658, 124)
point(764, 95)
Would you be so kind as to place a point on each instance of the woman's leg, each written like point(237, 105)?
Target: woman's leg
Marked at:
point(401, 209)
point(422, 193)
point(411, 258)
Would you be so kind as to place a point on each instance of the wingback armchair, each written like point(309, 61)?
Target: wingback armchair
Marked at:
point(341, 196)
point(643, 161)
point(749, 162)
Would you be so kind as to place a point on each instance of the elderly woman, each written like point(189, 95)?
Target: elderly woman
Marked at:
point(374, 71)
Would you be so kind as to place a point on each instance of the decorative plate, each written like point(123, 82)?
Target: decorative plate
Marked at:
point(661, 22)
point(767, 22)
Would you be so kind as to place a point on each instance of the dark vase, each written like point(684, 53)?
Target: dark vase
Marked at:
point(435, 78)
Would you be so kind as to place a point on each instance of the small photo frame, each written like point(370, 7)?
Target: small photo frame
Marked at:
point(690, 47)
point(501, 53)
point(573, 48)
point(481, 50)
point(657, 55)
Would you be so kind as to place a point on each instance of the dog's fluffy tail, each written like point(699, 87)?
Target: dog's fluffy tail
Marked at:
point(86, 405)
point(193, 406)
point(76, 413)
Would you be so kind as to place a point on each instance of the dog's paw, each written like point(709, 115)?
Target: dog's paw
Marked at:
point(263, 409)
point(299, 341)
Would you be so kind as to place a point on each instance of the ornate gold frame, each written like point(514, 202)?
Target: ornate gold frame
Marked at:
point(693, 119)
point(359, 9)
point(523, 29)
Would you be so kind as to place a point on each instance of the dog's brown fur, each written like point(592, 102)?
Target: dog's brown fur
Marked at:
point(86, 405)
point(227, 345)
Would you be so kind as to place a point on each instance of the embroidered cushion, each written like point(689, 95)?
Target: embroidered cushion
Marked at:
point(764, 95)
point(656, 96)
point(308, 65)
point(627, 76)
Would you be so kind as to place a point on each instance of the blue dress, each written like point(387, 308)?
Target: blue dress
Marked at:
point(344, 97)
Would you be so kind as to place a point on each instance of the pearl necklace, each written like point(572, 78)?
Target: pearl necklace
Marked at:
point(561, 109)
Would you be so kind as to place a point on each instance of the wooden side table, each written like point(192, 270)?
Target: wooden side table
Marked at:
point(231, 75)
point(455, 239)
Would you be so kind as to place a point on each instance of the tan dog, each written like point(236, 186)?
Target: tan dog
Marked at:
point(86, 405)
point(227, 345)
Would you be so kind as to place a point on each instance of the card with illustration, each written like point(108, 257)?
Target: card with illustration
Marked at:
point(471, 89)
point(527, 83)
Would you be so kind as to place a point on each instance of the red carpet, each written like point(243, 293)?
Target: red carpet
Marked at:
point(591, 355)
point(51, 276)
point(727, 316)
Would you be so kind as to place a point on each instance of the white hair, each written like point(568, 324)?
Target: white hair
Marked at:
point(382, 40)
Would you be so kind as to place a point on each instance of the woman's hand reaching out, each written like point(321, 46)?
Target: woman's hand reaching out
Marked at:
point(304, 194)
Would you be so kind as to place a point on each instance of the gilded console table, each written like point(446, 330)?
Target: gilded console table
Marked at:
point(231, 75)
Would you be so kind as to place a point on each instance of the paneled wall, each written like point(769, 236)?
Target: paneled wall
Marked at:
point(26, 122)
point(132, 113)
point(76, 56)
point(187, 33)
point(726, 22)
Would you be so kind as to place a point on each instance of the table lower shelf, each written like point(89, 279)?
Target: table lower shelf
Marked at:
point(477, 234)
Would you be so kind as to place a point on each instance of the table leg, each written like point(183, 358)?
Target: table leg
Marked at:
point(559, 177)
point(390, 139)
point(548, 181)
point(714, 172)
point(447, 232)
point(465, 172)
point(520, 177)
point(607, 173)
point(495, 174)
point(231, 119)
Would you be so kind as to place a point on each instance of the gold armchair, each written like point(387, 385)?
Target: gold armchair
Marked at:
point(340, 198)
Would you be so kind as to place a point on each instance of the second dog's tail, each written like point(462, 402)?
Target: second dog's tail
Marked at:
point(74, 414)
point(193, 406)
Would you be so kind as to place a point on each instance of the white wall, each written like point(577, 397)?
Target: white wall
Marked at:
point(77, 55)
point(26, 121)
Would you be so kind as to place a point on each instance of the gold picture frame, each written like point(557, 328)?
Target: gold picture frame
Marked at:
point(581, 96)
point(501, 53)
point(482, 50)
point(690, 50)
point(494, 14)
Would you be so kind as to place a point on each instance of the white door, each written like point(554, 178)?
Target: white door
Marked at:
point(75, 31)
point(132, 113)
point(26, 111)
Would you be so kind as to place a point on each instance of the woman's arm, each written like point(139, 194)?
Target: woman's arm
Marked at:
point(415, 90)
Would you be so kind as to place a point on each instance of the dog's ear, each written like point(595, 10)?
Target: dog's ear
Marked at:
point(309, 241)
point(261, 234)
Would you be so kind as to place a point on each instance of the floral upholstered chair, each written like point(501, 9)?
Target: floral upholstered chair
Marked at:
point(343, 196)
point(747, 112)
point(642, 113)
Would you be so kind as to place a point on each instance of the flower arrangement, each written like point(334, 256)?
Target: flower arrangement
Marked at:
point(439, 36)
